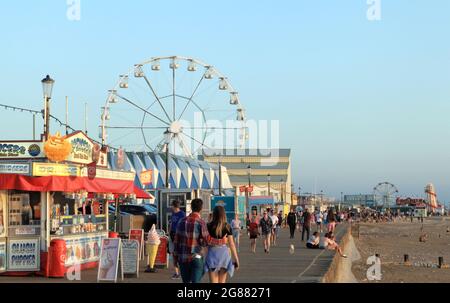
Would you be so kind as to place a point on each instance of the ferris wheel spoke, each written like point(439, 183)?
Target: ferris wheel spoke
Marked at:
point(193, 94)
point(184, 146)
point(156, 96)
point(196, 140)
point(135, 127)
point(143, 109)
point(173, 92)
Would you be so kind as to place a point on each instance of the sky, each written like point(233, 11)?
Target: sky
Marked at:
point(359, 101)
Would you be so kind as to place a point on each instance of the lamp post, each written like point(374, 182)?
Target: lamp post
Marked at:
point(268, 184)
point(282, 190)
point(167, 138)
point(220, 176)
point(247, 191)
point(47, 88)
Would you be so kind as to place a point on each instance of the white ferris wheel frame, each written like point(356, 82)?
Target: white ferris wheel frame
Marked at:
point(210, 71)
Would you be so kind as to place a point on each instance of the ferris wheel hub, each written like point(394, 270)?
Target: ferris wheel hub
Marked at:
point(175, 127)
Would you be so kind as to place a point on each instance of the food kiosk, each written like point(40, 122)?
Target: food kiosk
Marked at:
point(41, 201)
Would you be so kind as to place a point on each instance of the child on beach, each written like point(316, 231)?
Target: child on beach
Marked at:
point(330, 244)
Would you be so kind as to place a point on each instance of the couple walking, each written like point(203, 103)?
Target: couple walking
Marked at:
point(201, 247)
point(267, 226)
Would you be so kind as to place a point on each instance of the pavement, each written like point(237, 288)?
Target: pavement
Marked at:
point(280, 266)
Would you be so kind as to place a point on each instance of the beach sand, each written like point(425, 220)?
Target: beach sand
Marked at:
point(393, 240)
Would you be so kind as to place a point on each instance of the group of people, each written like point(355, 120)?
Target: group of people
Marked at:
point(305, 220)
point(329, 242)
point(198, 247)
point(268, 226)
point(212, 247)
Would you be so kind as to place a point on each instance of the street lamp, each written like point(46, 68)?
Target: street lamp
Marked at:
point(167, 138)
point(268, 184)
point(47, 88)
point(220, 176)
point(247, 191)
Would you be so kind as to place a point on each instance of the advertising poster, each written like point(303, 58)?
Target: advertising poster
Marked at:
point(108, 267)
point(130, 257)
point(2, 256)
point(83, 250)
point(138, 235)
point(23, 255)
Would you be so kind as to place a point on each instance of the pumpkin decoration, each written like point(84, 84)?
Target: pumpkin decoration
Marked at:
point(57, 148)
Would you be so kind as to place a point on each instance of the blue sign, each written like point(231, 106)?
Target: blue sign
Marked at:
point(227, 202)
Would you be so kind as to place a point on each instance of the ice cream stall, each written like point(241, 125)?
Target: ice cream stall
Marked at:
point(56, 190)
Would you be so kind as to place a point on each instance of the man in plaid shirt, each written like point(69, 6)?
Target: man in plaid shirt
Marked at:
point(191, 237)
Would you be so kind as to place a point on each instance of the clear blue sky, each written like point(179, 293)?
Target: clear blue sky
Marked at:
point(359, 102)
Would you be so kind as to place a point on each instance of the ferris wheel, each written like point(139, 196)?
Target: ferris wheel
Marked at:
point(385, 194)
point(173, 102)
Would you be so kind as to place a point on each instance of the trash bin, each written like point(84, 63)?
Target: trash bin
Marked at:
point(57, 259)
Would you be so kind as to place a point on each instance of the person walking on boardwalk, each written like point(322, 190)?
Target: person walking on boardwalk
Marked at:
point(266, 230)
point(177, 215)
point(218, 262)
point(191, 239)
point(292, 222)
point(236, 226)
point(307, 218)
point(319, 218)
point(273, 236)
point(331, 221)
point(253, 230)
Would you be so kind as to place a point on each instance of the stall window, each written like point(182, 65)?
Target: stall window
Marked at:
point(24, 208)
point(3, 197)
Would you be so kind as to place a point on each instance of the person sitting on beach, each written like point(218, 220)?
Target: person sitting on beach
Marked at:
point(330, 244)
point(314, 241)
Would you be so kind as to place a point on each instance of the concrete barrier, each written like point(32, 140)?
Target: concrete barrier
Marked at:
point(340, 270)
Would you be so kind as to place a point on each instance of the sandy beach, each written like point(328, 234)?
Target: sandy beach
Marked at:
point(393, 240)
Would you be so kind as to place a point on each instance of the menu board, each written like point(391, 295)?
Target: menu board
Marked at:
point(2, 256)
point(83, 249)
point(130, 257)
point(23, 254)
point(108, 267)
point(138, 235)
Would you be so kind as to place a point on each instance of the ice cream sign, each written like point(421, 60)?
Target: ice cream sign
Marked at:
point(85, 151)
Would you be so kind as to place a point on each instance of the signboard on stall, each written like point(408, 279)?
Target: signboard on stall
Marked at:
point(2, 256)
point(138, 235)
point(108, 268)
point(52, 169)
point(83, 249)
point(21, 150)
point(23, 254)
point(15, 168)
point(110, 174)
point(130, 257)
point(85, 151)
